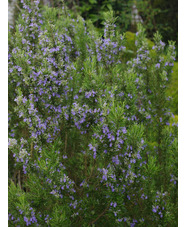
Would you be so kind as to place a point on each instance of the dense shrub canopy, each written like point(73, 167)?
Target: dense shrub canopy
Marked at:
point(91, 138)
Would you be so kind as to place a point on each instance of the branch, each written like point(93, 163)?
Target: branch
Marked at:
point(92, 222)
point(32, 147)
point(18, 7)
point(19, 178)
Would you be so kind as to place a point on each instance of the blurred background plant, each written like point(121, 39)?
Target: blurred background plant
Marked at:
point(161, 15)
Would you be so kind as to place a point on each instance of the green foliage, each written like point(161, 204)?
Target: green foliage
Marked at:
point(172, 90)
point(91, 133)
point(130, 45)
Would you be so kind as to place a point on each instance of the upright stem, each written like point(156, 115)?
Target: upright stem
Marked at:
point(32, 148)
point(19, 178)
point(66, 138)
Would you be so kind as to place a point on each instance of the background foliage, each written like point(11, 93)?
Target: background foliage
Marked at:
point(161, 15)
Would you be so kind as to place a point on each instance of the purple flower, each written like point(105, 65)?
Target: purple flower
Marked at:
point(99, 57)
point(24, 99)
point(157, 65)
point(19, 69)
point(105, 171)
point(128, 197)
point(155, 209)
point(116, 160)
point(26, 220)
point(91, 147)
point(124, 130)
point(162, 43)
point(114, 204)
